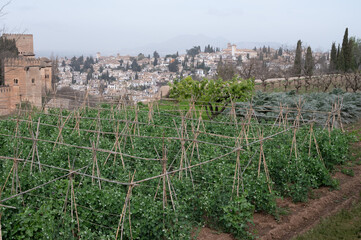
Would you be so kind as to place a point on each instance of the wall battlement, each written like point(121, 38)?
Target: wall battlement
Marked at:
point(22, 62)
point(16, 35)
point(5, 100)
point(5, 89)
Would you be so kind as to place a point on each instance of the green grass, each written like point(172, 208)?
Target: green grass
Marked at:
point(344, 225)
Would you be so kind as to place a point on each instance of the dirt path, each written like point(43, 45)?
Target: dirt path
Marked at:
point(209, 234)
point(303, 216)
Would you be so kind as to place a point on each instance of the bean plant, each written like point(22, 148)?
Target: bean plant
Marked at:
point(223, 193)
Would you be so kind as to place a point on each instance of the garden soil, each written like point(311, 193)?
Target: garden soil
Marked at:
point(301, 217)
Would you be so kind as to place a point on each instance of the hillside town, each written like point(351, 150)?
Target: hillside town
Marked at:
point(142, 77)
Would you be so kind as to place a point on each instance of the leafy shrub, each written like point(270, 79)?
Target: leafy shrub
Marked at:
point(214, 95)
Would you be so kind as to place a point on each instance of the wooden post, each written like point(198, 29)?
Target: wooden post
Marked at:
point(127, 200)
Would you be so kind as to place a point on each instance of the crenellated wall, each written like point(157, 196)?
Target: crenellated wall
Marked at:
point(5, 100)
point(22, 61)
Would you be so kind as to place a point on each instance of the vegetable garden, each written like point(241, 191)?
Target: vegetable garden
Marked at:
point(120, 171)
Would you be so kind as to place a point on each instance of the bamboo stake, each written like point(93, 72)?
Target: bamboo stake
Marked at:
point(15, 178)
point(311, 134)
point(74, 202)
point(317, 148)
point(150, 112)
point(334, 108)
point(170, 193)
point(41, 185)
point(61, 126)
point(125, 205)
point(130, 222)
point(35, 147)
point(1, 236)
point(262, 158)
point(237, 173)
point(77, 122)
point(116, 147)
point(95, 165)
point(339, 114)
point(66, 198)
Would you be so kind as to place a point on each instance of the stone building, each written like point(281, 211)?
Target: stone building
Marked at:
point(26, 79)
point(233, 52)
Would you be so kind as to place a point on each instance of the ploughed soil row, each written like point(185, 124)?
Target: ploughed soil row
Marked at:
point(301, 217)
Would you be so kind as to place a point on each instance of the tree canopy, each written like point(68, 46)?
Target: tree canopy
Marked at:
point(333, 60)
point(194, 51)
point(309, 63)
point(347, 56)
point(7, 49)
point(173, 66)
point(135, 66)
point(297, 67)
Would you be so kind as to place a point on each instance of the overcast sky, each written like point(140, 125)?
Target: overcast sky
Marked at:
point(111, 25)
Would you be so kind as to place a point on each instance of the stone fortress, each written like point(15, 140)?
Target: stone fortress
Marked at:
point(26, 78)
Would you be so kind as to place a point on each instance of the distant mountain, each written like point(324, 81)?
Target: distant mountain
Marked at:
point(180, 43)
point(183, 42)
point(251, 45)
point(69, 54)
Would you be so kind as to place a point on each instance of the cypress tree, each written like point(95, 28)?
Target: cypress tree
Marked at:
point(350, 57)
point(345, 52)
point(333, 60)
point(155, 54)
point(297, 67)
point(261, 56)
point(309, 62)
point(340, 59)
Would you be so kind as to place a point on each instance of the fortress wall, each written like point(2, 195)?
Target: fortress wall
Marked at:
point(5, 100)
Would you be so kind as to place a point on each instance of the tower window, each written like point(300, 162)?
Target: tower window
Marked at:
point(16, 81)
point(33, 80)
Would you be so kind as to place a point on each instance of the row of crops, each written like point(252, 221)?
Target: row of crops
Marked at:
point(267, 105)
point(112, 172)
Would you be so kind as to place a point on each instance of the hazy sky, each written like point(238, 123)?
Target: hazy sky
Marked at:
point(111, 25)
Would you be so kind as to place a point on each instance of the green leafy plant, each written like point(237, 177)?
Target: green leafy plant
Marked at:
point(215, 95)
point(236, 217)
